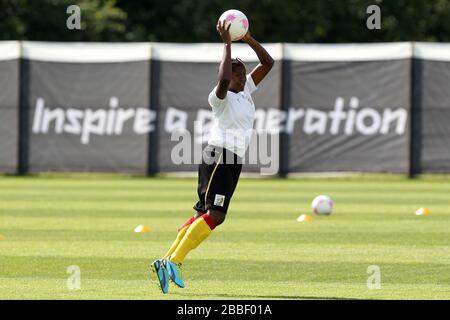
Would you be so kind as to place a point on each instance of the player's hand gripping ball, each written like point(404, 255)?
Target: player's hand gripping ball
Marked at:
point(239, 23)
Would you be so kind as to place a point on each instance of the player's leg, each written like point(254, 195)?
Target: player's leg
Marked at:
point(215, 185)
point(197, 232)
point(212, 179)
point(217, 199)
point(204, 172)
point(181, 232)
point(159, 265)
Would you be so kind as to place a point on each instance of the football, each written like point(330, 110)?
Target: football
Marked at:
point(322, 205)
point(239, 23)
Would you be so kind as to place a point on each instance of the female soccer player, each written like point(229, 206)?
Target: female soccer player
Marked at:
point(234, 113)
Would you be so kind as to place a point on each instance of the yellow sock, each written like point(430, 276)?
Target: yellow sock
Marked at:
point(199, 230)
point(174, 245)
point(180, 235)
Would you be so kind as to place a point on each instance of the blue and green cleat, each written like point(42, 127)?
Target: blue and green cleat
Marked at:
point(162, 275)
point(174, 271)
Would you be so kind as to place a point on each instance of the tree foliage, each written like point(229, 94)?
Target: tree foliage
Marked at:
point(45, 20)
point(325, 21)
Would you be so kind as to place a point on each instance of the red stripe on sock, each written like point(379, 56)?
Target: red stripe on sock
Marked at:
point(189, 221)
point(209, 221)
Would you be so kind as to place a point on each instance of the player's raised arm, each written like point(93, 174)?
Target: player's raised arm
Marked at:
point(225, 65)
point(266, 61)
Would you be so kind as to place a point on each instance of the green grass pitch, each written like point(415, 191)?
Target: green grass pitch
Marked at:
point(51, 222)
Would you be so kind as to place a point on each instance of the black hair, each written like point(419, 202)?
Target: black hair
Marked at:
point(237, 63)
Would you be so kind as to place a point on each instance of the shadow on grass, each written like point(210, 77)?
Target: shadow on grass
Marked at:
point(244, 296)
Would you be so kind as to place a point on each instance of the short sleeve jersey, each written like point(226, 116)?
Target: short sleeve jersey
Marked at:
point(233, 119)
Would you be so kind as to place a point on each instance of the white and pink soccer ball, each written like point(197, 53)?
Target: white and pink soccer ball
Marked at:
point(322, 205)
point(239, 23)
